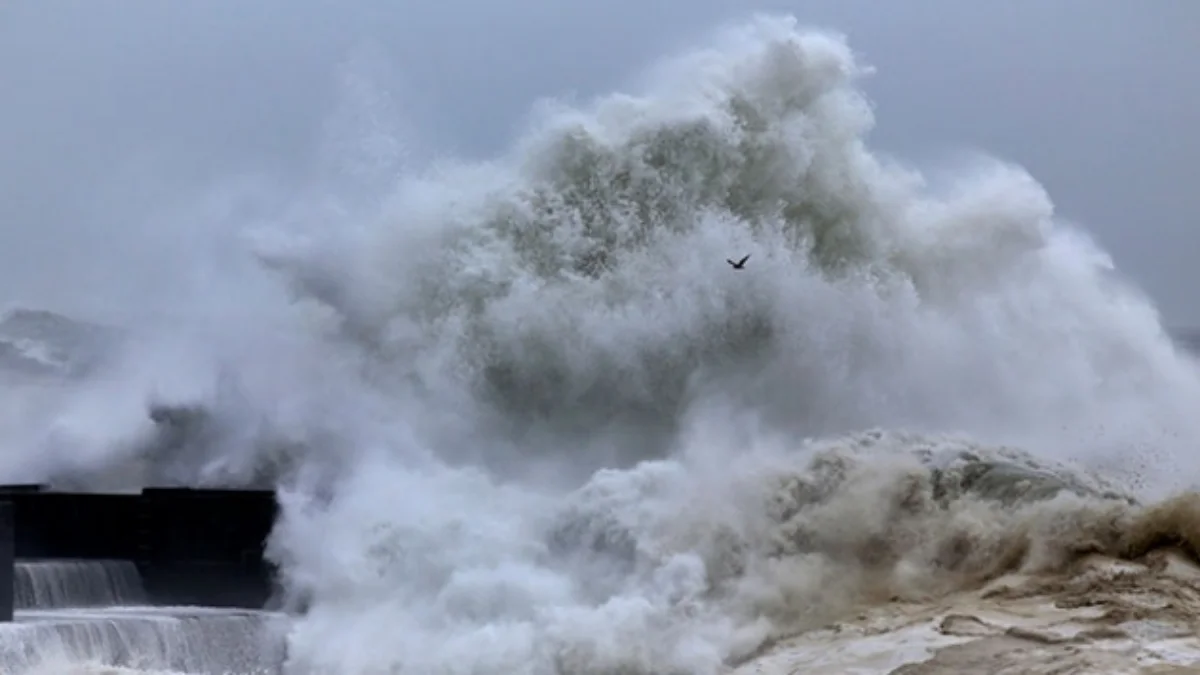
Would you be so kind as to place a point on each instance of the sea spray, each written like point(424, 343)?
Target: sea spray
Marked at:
point(526, 420)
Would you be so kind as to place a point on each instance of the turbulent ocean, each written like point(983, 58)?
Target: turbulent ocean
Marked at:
point(524, 419)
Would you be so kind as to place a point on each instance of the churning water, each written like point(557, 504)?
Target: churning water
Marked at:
point(524, 419)
point(92, 615)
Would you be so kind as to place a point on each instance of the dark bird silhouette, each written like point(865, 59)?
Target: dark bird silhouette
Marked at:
point(739, 265)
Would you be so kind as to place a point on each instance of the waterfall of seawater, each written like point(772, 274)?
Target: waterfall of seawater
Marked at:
point(76, 615)
point(54, 584)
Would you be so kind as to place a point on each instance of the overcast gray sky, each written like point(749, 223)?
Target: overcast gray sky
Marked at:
point(113, 111)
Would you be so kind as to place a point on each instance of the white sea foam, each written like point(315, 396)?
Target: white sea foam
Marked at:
point(525, 419)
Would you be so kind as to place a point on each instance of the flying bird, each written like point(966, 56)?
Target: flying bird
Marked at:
point(739, 265)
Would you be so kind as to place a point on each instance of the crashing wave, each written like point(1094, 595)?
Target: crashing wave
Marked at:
point(46, 354)
point(567, 439)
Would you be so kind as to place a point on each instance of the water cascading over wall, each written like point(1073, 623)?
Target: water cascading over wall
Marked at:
point(97, 611)
point(164, 579)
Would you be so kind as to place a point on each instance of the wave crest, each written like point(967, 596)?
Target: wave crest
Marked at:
point(506, 331)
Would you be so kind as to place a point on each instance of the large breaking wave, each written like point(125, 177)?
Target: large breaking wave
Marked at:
point(525, 419)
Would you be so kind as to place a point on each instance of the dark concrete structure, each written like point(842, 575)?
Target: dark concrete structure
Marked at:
point(7, 558)
point(205, 547)
point(191, 547)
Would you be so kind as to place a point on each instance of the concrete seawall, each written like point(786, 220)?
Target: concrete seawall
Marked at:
point(191, 547)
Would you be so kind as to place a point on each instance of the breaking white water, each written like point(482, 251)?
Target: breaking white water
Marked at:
point(525, 419)
point(56, 584)
point(79, 615)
